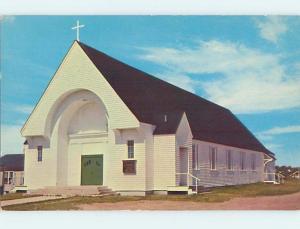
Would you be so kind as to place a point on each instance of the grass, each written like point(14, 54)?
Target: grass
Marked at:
point(216, 195)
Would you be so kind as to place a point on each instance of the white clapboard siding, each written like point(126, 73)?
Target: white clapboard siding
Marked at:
point(149, 155)
point(39, 174)
point(116, 179)
point(164, 161)
point(223, 176)
point(183, 139)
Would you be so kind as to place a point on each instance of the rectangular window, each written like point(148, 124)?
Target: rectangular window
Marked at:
point(229, 160)
point(40, 153)
point(243, 160)
point(194, 156)
point(253, 162)
point(213, 158)
point(5, 177)
point(9, 177)
point(22, 180)
point(130, 148)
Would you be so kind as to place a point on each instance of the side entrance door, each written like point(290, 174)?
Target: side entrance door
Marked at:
point(183, 166)
point(92, 170)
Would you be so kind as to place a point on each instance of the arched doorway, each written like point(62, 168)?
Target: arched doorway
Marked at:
point(78, 124)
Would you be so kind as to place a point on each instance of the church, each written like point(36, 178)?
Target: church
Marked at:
point(101, 122)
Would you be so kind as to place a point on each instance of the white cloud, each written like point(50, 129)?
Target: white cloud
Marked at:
point(24, 109)
point(273, 147)
point(271, 28)
point(181, 80)
point(282, 130)
point(268, 135)
point(11, 139)
point(252, 81)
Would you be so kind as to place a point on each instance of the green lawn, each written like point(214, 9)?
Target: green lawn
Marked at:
point(217, 195)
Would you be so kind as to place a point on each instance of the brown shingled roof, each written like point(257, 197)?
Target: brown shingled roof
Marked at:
point(12, 162)
point(149, 97)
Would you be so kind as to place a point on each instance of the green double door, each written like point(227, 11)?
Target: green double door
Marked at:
point(92, 170)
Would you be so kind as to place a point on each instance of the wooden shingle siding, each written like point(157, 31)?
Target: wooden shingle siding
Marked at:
point(223, 176)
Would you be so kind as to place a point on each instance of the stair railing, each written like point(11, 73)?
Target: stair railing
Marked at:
point(193, 177)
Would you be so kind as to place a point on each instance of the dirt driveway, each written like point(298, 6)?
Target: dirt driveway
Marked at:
point(284, 202)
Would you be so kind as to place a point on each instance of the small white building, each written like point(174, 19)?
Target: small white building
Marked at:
point(11, 172)
point(102, 122)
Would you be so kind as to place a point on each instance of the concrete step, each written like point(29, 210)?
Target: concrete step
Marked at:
point(179, 190)
point(201, 189)
point(86, 190)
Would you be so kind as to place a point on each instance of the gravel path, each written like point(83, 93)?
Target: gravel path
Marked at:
point(283, 202)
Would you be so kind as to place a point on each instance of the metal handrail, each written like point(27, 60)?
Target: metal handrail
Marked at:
point(187, 179)
point(279, 180)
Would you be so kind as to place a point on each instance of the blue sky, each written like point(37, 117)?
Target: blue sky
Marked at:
point(250, 65)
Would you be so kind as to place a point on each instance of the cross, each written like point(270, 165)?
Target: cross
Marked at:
point(77, 27)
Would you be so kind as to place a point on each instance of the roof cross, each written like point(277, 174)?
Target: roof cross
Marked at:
point(77, 27)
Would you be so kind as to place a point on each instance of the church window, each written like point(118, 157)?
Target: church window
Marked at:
point(229, 160)
point(40, 153)
point(253, 162)
point(130, 147)
point(213, 158)
point(196, 157)
point(243, 160)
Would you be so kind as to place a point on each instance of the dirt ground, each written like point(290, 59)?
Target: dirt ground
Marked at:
point(283, 202)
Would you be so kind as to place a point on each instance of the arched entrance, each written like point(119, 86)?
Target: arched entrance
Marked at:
point(78, 135)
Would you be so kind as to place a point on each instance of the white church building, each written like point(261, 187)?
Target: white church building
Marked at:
point(102, 122)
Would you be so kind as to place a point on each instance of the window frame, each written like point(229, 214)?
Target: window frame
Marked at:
point(194, 156)
point(40, 153)
point(229, 160)
point(130, 149)
point(253, 162)
point(242, 161)
point(7, 178)
point(213, 159)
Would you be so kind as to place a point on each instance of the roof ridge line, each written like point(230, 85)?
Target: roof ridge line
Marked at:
point(149, 75)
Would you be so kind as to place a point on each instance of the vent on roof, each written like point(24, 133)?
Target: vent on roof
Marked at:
point(165, 118)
